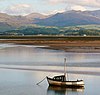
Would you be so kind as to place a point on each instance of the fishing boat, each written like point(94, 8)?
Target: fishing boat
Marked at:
point(62, 80)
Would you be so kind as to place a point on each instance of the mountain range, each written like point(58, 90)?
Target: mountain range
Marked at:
point(71, 18)
point(68, 18)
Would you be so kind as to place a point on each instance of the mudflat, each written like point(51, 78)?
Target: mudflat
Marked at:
point(69, 44)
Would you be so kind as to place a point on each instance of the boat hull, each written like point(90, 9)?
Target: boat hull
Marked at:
point(70, 84)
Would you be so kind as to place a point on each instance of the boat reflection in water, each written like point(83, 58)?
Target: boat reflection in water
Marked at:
point(52, 90)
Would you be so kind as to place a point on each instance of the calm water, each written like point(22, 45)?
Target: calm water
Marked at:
point(21, 67)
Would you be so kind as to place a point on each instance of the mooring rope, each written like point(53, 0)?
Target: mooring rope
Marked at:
point(40, 81)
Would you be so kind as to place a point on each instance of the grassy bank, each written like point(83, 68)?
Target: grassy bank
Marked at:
point(72, 38)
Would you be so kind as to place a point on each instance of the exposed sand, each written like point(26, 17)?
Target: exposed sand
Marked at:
point(69, 46)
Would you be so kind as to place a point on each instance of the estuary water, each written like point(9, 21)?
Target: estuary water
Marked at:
point(23, 66)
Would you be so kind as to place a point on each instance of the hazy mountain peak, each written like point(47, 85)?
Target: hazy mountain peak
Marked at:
point(32, 16)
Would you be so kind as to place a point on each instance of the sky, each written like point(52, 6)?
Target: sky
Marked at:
point(25, 7)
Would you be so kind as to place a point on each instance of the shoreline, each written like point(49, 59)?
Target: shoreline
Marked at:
point(65, 45)
point(75, 49)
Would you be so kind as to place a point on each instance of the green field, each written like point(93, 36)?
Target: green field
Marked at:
point(58, 38)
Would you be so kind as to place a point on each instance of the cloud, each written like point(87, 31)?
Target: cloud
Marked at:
point(75, 7)
point(55, 1)
point(19, 9)
point(88, 3)
point(54, 12)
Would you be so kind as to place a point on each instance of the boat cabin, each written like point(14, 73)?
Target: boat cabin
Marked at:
point(60, 78)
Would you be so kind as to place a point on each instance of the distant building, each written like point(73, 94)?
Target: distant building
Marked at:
point(84, 35)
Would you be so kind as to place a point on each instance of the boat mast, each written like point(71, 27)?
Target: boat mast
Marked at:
point(65, 68)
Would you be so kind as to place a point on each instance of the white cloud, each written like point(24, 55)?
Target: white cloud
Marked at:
point(19, 9)
point(88, 3)
point(56, 1)
point(54, 12)
point(75, 7)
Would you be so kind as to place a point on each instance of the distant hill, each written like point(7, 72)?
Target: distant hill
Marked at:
point(17, 21)
point(5, 27)
point(93, 13)
point(71, 18)
point(33, 16)
point(68, 18)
